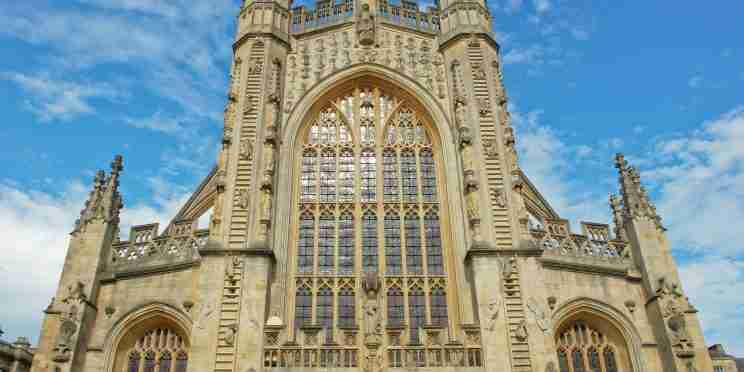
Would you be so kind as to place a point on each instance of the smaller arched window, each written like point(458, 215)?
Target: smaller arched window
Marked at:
point(577, 358)
point(563, 361)
point(395, 307)
point(417, 308)
point(438, 307)
point(393, 259)
point(589, 349)
point(303, 307)
point(610, 361)
point(154, 351)
point(346, 244)
point(414, 260)
point(346, 307)
point(369, 242)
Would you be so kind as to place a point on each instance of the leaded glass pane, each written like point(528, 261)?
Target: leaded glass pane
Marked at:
point(134, 362)
point(303, 307)
point(346, 176)
point(563, 361)
point(438, 307)
point(325, 308)
point(165, 362)
point(368, 175)
point(408, 175)
point(434, 261)
point(395, 307)
point(369, 242)
point(578, 361)
point(328, 176)
point(417, 317)
point(346, 308)
point(182, 362)
point(309, 178)
point(390, 175)
point(326, 240)
point(346, 244)
point(393, 260)
point(414, 261)
point(594, 365)
point(428, 176)
point(610, 362)
point(305, 244)
point(149, 365)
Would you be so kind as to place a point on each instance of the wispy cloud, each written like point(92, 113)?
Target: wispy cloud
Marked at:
point(60, 100)
point(695, 81)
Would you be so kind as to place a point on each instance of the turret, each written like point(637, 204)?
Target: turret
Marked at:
point(675, 321)
point(70, 315)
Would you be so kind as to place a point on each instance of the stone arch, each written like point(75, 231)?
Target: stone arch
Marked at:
point(135, 323)
point(442, 135)
point(605, 317)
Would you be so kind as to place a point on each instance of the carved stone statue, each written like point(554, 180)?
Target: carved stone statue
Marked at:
point(494, 308)
point(366, 26)
point(372, 313)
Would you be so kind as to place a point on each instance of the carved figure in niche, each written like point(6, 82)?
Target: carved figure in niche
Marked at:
point(484, 106)
point(540, 315)
point(499, 198)
point(266, 205)
point(508, 267)
point(366, 26)
point(246, 149)
point(230, 333)
point(471, 200)
point(372, 314)
point(494, 307)
point(346, 41)
point(478, 72)
point(243, 198)
point(521, 331)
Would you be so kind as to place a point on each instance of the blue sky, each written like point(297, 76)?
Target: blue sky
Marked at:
point(82, 80)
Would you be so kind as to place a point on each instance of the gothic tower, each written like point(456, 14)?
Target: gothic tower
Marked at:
point(368, 211)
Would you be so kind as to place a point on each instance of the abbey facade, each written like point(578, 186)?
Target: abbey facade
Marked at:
point(368, 213)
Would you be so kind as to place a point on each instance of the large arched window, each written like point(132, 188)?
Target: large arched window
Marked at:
point(584, 348)
point(368, 200)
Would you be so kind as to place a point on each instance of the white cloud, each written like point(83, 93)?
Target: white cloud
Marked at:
point(712, 283)
point(695, 81)
point(531, 55)
point(159, 122)
point(59, 100)
point(36, 226)
point(580, 34)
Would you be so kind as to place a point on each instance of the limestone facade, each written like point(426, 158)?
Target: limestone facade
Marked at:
point(368, 212)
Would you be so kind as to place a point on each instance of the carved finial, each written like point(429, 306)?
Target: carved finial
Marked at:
point(635, 200)
point(617, 217)
point(104, 201)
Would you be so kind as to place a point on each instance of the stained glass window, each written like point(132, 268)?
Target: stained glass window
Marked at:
point(149, 365)
point(346, 244)
point(390, 175)
point(408, 174)
point(182, 362)
point(563, 361)
point(438, 307)
point(165, 362)
point(428, 176)
point(309, 161)
point(369, 242)
point(417, 309)
point(594, 364)
point(326, 240)
point(328, 176)
point(346, 176)
point(393, 259)
point(369, 175)
point(414, 261)
point(347, 307)
point(349, 223)
point(578, 361)
point(306, 251)
point(134, 362)
point(610, 362)
point(303, 307)
point(395, 307)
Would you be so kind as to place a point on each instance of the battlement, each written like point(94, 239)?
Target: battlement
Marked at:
point(178, 244)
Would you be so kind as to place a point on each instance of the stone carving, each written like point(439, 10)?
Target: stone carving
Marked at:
point(490, 149)
point(484, 106)
point(109, 310)
point(617, 217)
point(372, 311)
point(631, 305)
point(372, 362)
point(478, 72)
point(243, 198)
point(521, 331)
point(551, 302)
point(365, 26)
point(246, 149)
point(691, 367)
point(508, 267)
point(104, 201)
point(673, 305)
point(64, 341)
point(230, 334)
point(499, 197)
point(541, 318)
point(188, 305)
point(75, 299)
point(206, 313)
point(494, 307)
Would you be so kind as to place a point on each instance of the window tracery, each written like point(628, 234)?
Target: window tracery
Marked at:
point(581, 348)
point(154, 352)
point(366, 136)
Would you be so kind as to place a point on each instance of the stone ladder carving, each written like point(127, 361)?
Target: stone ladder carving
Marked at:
point(516, 318)
point(489, 141)
point(244, 177)
point(229, 316)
